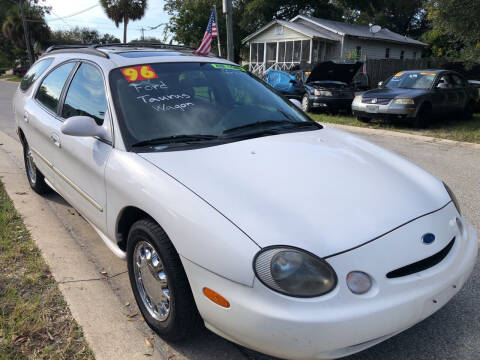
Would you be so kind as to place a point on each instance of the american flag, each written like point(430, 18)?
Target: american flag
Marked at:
point(210, 33)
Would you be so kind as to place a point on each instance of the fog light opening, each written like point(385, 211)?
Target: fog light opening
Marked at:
point(359, 282)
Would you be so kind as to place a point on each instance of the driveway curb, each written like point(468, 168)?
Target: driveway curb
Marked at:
point(362, 130)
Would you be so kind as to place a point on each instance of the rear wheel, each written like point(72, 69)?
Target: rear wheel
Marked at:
point(34, 176)
point(364, 119)
point(159, 282)
point(306, 106)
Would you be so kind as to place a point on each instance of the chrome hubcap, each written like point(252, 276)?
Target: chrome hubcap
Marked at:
point(31, 168)
point(151, 281)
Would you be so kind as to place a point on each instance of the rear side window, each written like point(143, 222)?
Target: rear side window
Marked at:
point(86, 95)
point(49, 92)
point(34, 72)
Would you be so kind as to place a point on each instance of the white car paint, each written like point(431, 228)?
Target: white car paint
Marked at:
point(325, 191)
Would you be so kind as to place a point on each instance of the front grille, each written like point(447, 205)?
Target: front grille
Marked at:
point(376, 101)
point(422, 264)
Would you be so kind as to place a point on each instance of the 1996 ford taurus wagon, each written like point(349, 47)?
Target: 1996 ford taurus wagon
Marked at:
point(232, 208)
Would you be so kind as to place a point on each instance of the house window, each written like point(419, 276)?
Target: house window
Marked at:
point(305, 50)
point(414, 54)
point(297, 49)
point(402, 54)
point(260, 53)
point(288, 51)
point(387, 53)
point(279, 30)
point(254, 53)
point(281, 52)
point(359, 52)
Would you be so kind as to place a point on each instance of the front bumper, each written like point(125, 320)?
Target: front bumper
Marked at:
point(341, 323)
point(390, 110)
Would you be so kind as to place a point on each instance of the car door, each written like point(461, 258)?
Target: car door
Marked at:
point(460, 88)
point(81, 161)
point(40, 115)
point(445, 90)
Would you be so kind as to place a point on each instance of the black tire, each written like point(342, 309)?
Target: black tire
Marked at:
point(364, 119)
point(423, 118)
point(34, 176)
point(469, 110)
point(306, 106)
point(183, 319)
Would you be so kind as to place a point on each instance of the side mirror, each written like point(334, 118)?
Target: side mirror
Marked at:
point(293, 81)
point(297, 103)
point(84, 126)
point(442, 85)
point(380, 84)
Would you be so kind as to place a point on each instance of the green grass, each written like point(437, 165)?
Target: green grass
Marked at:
point(14, 78)
point(452, 128)
point(35, 321)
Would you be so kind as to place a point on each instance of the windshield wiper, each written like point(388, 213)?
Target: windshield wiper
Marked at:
point(284, 124)
point(174, 139)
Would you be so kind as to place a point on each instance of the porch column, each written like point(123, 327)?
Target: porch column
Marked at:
point(311, 49)
point(276, 56)
point(324, 50)
point(264, 56)
point(250, 58)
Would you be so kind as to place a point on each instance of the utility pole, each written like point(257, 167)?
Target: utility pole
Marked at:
point(143, 33)
point(227, 8)
point(27, 37)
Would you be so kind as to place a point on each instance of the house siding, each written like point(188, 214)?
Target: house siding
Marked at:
point(269, 35)
point(375, 49)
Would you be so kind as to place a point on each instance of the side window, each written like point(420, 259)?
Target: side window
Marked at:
point(458, 81)
point(86, 95)
point(49, 92)
point(387, 53)
point(34, 72)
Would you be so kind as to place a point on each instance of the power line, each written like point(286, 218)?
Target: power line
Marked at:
point(74, 14)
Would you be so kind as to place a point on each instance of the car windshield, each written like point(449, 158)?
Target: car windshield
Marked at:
point(197, 102)
point(411, 80)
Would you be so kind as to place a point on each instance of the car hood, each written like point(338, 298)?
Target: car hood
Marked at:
point(324, 191)
point(386, 93)
point(330, 70)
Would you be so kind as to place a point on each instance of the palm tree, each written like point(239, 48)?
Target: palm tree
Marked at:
point(121, 11)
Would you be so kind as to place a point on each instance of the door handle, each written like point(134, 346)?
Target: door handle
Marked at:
point(56, 140)
point(25, 117)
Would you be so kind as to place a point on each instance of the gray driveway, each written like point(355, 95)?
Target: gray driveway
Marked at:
point(451, 333)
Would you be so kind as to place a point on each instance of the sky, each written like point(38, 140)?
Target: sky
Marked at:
point(60, 19)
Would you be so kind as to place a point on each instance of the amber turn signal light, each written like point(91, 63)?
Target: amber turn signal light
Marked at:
point(216, 297)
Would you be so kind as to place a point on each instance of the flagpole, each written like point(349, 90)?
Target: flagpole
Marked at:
point(218, 31)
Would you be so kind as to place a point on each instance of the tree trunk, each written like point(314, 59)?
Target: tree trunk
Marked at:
point(125, 23)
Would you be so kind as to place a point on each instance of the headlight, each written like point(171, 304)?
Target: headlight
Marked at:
point(322, 93)
point(357, 99)
point(294, 272)
point(404, 101)
point(453, 197)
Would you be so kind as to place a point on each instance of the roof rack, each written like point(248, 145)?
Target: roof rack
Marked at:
point(154, 45)
point(86, 48)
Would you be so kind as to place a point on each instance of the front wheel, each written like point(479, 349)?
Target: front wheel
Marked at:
point(469, 110)
point(423, 117)
point(34, 176)
point(159, 282)
point(306, 103)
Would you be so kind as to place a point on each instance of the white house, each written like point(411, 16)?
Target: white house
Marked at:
point(305, 39)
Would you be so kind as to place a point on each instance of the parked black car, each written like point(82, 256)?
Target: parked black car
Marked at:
point(416, 96)
point(330, 86)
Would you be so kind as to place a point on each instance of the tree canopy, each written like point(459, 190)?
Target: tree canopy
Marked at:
point(122, 11)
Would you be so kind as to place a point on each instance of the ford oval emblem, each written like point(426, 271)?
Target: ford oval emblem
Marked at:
point(428, 238)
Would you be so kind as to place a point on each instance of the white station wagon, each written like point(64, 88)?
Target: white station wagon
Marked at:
point(234, 209)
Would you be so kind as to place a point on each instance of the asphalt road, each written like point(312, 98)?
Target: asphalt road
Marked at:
point(451, 333)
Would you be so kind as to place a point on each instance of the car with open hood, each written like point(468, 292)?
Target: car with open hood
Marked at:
point(285, 83)
point(417, 96)
point(330, 86)
point(233, 209)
